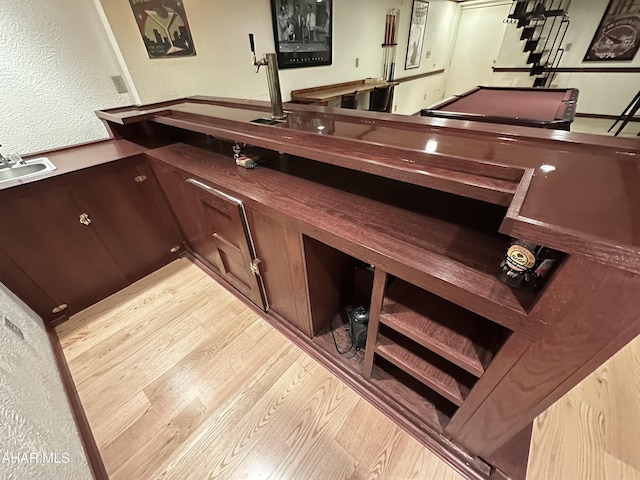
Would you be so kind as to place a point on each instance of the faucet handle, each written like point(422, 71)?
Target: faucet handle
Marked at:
point(252, 44)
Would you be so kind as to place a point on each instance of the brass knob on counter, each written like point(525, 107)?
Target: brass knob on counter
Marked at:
point(140, 178)
point(175, 249)
point(60, 308)
point(84, 219)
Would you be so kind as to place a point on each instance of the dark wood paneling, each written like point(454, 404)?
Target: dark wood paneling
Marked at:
point(512, 458)
point(579, 306)
point(64, 258)
point(132, 219)
point(82, 424)
point(188, 211)
point(506, 357)
point(279, 247)
point(445, 258)
point(330, 275)
point(377, 297)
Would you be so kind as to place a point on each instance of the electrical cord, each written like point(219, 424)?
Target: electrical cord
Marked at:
point(335, 342)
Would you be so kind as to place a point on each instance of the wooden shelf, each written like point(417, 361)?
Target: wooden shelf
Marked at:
point(404, 390)
point(426, 367)
point(462, 337)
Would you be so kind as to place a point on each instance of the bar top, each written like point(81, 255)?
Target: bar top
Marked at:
point(574, 192)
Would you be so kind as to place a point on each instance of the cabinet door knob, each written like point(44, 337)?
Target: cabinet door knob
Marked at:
point(60, 308)
point(84, 219)
point(175, 248)
point(140, 178)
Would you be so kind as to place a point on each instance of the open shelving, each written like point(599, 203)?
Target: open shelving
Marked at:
point(456, 334)
point(432, 370)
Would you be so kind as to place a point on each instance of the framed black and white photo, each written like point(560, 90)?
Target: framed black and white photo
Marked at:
point(416, 34)
point(618, 35)
point(302, 30)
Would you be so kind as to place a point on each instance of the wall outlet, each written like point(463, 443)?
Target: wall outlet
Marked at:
point(121, 87)
point(357, 62)
point(568, 46)
point(428, 54)
point(13, 327)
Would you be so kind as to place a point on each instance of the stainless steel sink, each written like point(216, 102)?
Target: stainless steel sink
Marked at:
point(28, 169)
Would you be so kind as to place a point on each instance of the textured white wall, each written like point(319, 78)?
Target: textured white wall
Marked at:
point(54, 72)
point(222, 65)
point(34, 413)
point(439, 40)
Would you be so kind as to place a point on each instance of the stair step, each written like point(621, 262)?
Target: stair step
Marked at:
point(537, 70)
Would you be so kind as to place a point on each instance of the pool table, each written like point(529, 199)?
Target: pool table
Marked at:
point(532, 107)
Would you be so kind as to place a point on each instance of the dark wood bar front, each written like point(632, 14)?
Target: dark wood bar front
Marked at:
point(464, 362)
point(409, 217)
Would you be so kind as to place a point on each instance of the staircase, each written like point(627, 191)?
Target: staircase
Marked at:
point(544, 24)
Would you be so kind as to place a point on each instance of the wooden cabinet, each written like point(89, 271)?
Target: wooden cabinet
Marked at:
point(226, 221)
point(130, 216)
point(215, 227)
point(75, 239)
point(279, 246)
point(188, 210)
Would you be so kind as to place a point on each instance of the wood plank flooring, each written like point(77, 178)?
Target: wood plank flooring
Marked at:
point(180, 380)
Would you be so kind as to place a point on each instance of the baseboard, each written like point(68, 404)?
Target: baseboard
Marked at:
point(86, 435)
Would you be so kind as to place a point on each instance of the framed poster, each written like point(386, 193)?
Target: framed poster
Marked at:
point(164, 28)
point(416, 33)
point(302, 32)
point(618, 35)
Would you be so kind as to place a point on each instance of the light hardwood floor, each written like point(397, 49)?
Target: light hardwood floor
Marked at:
point(180, 380)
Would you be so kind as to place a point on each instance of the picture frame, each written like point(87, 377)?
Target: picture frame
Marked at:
point(302, 32)
point(617, 37)
point(417, 28)
point(164, 28)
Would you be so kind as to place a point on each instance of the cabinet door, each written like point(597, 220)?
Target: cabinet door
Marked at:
point(184, 201)
point(130, 215)
point(279, 246)
point(48, 237)
point(227, 225)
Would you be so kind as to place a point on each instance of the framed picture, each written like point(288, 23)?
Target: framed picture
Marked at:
point(416, 34)
point(302, 31)
point(164, 28)
point(618, 35)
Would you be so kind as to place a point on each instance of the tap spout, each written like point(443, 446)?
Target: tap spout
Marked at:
point(270, 61)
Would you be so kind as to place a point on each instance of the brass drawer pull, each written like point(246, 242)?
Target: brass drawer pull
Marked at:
point(84, 219)
point(140, 178)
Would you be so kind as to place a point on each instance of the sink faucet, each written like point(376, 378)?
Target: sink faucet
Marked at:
point(10, 160)
point(273, 79)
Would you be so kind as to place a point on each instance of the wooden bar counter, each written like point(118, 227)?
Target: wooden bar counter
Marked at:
point(462, 361)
